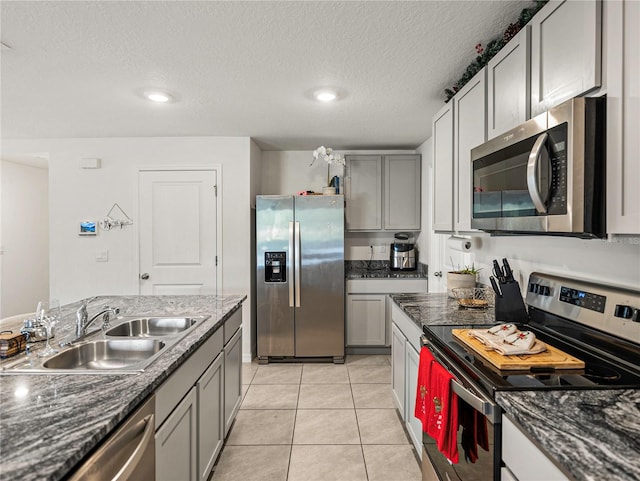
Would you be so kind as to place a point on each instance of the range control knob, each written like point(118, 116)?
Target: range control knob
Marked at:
point(544, 291)
point(625, 312)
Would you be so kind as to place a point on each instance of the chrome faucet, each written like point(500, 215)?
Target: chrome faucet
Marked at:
point(83, 322)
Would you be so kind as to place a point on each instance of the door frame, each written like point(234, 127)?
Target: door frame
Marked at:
point(189, 167)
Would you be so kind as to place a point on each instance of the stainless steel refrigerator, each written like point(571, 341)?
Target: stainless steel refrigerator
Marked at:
point(300, 277)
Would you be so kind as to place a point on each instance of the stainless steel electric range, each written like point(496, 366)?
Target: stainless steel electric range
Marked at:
point(597, 324)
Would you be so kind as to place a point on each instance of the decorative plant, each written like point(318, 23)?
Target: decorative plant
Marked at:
point(326, 154)
point(467, 270)
point(493, 47)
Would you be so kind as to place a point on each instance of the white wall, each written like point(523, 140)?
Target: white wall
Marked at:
point(251, 340)
point(24, 238)
point(77, 194)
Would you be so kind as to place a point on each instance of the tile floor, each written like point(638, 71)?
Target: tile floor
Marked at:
point(318, 422)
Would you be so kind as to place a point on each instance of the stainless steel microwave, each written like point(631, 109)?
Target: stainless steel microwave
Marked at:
point(546, 175)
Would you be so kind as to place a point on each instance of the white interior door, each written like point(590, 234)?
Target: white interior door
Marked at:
point(177, 236)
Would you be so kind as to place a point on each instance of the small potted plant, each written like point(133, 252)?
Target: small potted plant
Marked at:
point(462, 278)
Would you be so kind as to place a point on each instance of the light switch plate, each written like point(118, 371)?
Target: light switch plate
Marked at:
point(102, 256)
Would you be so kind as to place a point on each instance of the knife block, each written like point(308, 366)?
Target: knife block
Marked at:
point(510, 307)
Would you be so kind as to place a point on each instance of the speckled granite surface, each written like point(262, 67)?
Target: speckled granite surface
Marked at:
point(48, 423)
point(592, 435)
point(433, 309)
point(381, 270)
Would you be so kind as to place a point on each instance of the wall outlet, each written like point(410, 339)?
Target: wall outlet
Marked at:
point(383, 249)
point(102, 256)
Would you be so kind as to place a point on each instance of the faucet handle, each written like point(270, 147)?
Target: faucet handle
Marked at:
point(81, 313)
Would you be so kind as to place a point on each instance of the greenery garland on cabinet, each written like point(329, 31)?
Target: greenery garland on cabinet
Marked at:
point(493, 47)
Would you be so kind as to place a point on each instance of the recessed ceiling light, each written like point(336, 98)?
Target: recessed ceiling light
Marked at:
point(158, 96)
point(325, 95)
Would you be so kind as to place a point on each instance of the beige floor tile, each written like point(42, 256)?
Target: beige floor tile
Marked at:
point(324, 374)
point(367, 360)
point(253, 463)
point(380, 426)
point(277, 374)
point(325, 396)
point(262, 426)
point(248, 371)
point(271, 396)
point(327, 463)
point(369, 374)
point(326, 426)
point(372, 396)
point(391, 463)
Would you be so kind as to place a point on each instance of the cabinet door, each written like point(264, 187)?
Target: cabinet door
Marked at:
point(232, 379)
point(443, 169)
point(469, 132)
point(398, 343)
point(565, 52)
point(176, 443)
point(509, 85)
point(402, 192)
point(364, 192)
point(366, 320)
point(623, 117)
point(210, 389)
point(413, 424)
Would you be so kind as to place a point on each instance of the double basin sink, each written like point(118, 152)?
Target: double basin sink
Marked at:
point(128, 347)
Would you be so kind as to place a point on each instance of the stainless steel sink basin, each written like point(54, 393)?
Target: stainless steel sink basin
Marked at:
point(152, 327)
point(111, 354)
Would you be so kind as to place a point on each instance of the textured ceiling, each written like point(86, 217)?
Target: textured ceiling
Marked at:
point(239, 68)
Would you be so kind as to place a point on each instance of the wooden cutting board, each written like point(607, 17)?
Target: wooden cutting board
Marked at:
point(552, 358)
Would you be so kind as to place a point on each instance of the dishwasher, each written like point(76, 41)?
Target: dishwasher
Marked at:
point(128, 454)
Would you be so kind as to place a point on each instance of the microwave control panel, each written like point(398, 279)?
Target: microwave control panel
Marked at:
point(557, 148)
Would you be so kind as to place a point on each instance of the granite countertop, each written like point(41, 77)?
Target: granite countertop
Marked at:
point(591, 434)
point(440, 309)
point(381, 270)
point(49, 422)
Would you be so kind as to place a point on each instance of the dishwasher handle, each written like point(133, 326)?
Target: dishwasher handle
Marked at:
point(132, 462)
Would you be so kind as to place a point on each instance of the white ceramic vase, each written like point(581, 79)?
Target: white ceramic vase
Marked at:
point(328, 191)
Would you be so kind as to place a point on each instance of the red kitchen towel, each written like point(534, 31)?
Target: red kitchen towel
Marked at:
point(422, 398)
point(474, 431)
point(442, 421)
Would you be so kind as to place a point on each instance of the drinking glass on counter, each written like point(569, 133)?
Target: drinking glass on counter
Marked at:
point(48, 313)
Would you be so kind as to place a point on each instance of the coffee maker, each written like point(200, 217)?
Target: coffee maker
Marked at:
point(403, 255)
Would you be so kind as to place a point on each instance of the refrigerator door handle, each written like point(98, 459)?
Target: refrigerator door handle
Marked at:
point(297, 262)
point(290, 264)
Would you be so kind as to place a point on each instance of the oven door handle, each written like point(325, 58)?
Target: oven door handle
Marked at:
point(471, 399)
point(532, 173)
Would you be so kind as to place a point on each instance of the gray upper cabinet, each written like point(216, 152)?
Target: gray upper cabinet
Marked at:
point(402, 192)
point(383, 192)
point(565, 52)
point(443, 169)
point(509, 86)
point(364, 192)
point(469, 132)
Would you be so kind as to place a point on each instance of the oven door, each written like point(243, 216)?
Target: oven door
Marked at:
point(435, 467)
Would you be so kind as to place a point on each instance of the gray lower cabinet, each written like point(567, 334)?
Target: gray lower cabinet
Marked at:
point(366, 320)
point(196, 406)
point(398, 342)
point(232, 378)
point(413, 425)
point(176, 442)
point(210, 390)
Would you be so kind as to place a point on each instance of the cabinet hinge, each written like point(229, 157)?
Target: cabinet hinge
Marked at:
point(215, 188)
point(216, 260)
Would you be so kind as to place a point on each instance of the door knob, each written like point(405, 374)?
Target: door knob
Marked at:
point(144, 276)
point(438, 274)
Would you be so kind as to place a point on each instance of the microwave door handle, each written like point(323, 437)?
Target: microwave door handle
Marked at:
point(532, 173)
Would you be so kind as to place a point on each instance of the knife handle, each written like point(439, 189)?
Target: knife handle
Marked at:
point(494, 284)
point(508, 273)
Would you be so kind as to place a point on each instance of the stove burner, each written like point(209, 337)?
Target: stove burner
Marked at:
point(601, 374)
